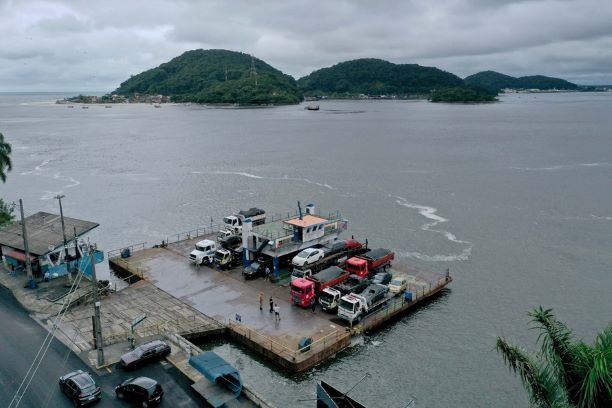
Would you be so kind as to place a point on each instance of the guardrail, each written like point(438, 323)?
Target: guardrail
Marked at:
point(194, 233)
point(113, 253)
point(399, 303)
point(283, 350)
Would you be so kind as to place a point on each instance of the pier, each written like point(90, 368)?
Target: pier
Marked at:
point(225, 297)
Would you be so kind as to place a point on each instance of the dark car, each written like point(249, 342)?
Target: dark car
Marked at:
point(142, 391)
point(254, 270)
point(382, 278)
point(152, 351)
point(80, 388)
point(231, 242)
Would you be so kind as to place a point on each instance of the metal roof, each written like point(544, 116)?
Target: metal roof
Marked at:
point(306, 221)
point(44, 232)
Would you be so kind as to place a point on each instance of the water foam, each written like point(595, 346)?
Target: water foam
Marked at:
point(239, 173)
point(430, 213)
point(563, 166)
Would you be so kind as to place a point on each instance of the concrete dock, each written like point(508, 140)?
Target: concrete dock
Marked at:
point(233, 302)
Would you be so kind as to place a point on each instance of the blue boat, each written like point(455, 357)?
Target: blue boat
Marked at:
point(224, 383)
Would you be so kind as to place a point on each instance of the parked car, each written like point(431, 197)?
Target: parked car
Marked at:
point(231, 242)
point(308, 257)
point(254, 270)
point(142, 391)
point(80, 388)
point(334, 247)
point(382, 278)
point(398, 285)
point(151, 351)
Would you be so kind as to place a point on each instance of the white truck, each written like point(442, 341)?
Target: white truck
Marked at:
point(204, 252)
point(353, 307)
point(233, 223)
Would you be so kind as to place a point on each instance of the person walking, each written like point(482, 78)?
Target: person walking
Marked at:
point(276, 312)
point(313, 304)
point(267, 273)
point(271, 305)
point(260, 300)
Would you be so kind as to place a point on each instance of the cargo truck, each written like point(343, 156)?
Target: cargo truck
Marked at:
point(203, 253)
point(228, 258)
point(354, 307)
point(338, 258)
point(304, 291)
point(329, 298)
point(232, 224)
point(371, 262)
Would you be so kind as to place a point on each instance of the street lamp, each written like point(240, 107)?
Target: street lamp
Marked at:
point(59, 198)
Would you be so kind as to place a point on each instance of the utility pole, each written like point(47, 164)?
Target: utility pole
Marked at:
point(96, 300)
point(59, 198)
point(31, 282)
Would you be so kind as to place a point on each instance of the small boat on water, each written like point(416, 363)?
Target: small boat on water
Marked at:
point(107, 106)
point(312, 107)
point(221, 383)
point(84, 107)
point(330, 397)
point(157, 105)
point(71, 106)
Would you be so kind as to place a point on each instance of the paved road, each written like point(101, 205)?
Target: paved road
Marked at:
point(20, 339)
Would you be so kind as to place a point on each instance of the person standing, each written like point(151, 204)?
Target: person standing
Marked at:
point(271, 305)
point(260, 300)
point(313, 304)
point(267, 273)
point(276, 312)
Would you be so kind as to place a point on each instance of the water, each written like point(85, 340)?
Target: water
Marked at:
point(513, 197)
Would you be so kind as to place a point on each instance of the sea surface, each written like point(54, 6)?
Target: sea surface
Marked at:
point(514, 197)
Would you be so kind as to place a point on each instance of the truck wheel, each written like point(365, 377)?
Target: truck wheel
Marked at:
point(386, 268)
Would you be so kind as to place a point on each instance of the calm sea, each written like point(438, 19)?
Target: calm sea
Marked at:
point(514, 197)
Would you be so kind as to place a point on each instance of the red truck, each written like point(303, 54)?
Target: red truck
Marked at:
point(304, 291)
point(370, 263)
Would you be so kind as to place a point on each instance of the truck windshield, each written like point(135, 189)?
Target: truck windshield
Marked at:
point(396, 282)
point(228, 221)
point(200, 248)
point(346, 305)
point(297, 289)
point(327, 297)
point(297, 273)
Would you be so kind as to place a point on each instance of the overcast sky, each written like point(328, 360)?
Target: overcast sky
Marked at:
point(95, 45)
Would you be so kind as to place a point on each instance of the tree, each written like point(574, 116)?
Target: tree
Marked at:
point(566, 372)
point(6, 212)
point(5, 159)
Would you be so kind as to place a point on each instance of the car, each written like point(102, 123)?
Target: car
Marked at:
point(398, 285)
point(254, 270)
point(231, 242)
point(382, 278)
point(80, 388)
point(151, 351)
point(334, 247)
point(308, 256)
point(142, 391)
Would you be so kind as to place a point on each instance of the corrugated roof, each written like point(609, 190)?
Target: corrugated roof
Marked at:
point(44, 232)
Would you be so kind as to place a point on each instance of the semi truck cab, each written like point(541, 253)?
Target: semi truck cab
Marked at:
point(203, 253)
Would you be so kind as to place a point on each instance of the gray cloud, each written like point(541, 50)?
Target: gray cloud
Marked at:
point(82, 45)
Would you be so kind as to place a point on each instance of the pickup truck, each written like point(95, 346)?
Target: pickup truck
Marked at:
point(329, 298)
point(353, 307)
point(304, 291)
point(371, 262)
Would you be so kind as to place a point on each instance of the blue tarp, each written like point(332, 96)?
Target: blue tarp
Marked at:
point(218, 371)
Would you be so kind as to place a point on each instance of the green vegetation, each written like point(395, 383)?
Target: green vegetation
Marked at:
point(566, 373)
point(375, 77)
point(462, 95)
point(215, 76)
point(5, 158)
point(494, 82)
point(6, 210)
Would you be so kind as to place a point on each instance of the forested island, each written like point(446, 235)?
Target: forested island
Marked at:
point(229, 77)
point(496, 82)
point(216, 77)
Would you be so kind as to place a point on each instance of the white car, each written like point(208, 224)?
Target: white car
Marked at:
point(398, 285)
point(308, 257)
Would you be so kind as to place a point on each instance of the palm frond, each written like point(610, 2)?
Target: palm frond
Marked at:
point(540, 383)
point(595, 387)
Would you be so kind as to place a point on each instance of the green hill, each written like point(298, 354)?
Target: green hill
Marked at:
point(215, 76)
point(494, 81)
point(376, 77)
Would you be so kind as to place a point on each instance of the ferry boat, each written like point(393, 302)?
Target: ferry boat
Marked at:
point(312, 107)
